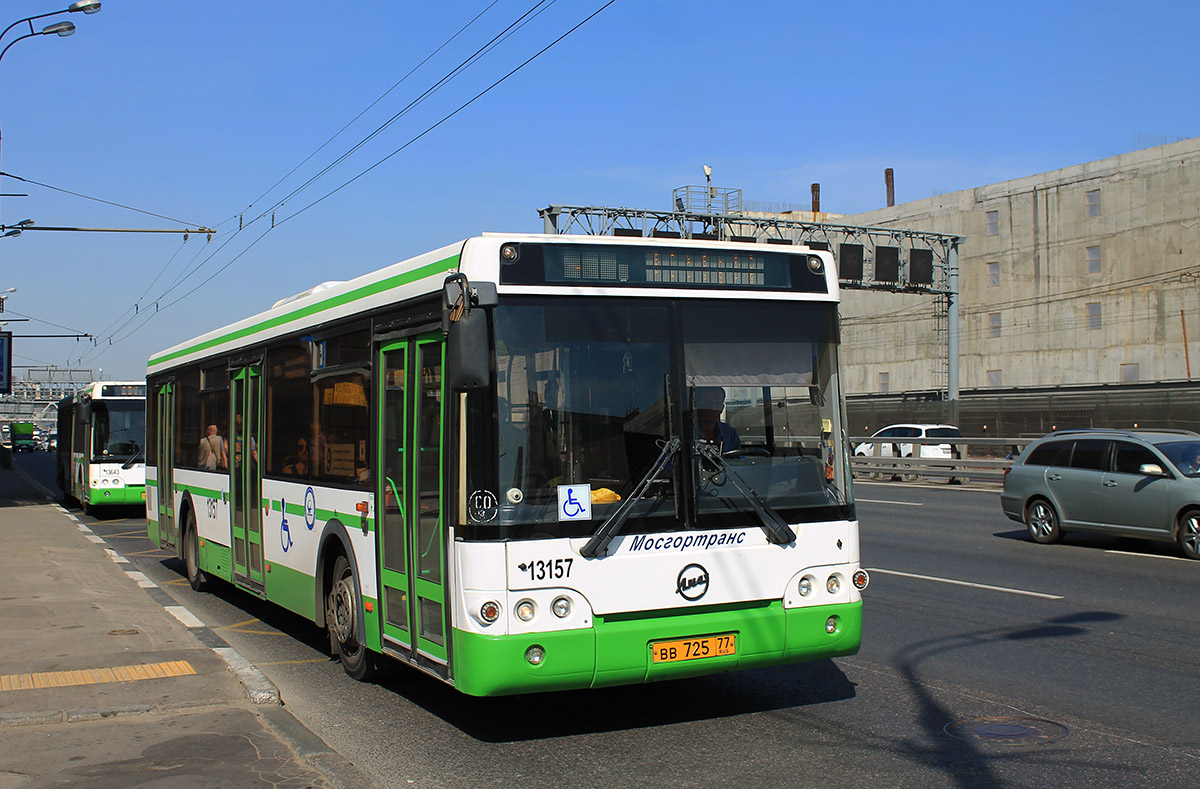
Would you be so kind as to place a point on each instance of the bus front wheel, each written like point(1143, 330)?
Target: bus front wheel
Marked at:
point(341, 617)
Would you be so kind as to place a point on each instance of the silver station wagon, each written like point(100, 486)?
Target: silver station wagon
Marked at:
point(1130, 483)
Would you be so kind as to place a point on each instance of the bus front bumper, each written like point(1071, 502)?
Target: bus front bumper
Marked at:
point(127, 495)
point(617, 650)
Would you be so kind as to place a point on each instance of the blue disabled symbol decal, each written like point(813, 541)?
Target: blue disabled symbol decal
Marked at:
point(310, 509)
point(285, 534)
point(574, 502)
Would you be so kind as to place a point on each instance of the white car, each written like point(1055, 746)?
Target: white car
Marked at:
point(897, 448)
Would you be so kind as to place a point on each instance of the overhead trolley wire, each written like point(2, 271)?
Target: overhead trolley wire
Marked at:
point(448, 116)
point(498, 39)
point(532, 13)
point(370, 106)
point(100, 200)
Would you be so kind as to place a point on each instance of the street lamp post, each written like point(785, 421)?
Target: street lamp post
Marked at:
point(57, 28)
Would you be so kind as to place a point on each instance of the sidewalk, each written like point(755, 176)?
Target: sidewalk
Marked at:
point(102, 686)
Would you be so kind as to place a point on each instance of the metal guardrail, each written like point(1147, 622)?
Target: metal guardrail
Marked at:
point(976, 459)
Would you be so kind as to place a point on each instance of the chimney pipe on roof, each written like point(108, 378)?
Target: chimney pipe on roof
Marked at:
point(890, 182)
point(816, 198)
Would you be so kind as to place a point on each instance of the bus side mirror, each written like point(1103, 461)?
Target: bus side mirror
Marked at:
point(468, 353)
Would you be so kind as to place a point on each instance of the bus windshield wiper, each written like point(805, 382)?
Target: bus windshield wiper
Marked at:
point(133, 459)
point(611, 527)
point(777, 529)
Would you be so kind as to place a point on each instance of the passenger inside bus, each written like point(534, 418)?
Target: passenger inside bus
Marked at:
point(297, 465)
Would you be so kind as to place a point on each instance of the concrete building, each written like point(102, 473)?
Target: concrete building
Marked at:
point(1085, 275)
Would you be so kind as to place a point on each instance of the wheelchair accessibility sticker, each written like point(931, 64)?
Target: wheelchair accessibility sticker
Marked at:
point(285, 533)
point(574, 502)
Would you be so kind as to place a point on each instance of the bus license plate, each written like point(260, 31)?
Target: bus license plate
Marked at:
point(694, 648)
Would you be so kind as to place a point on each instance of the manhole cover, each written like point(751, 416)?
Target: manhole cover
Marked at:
point(122, 632)
point(1008, 731)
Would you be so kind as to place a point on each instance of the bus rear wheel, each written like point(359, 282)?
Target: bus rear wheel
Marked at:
point(341, 618)
point(198, 579)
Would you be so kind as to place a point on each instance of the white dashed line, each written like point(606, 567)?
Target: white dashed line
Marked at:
point(901, 503)
point(967, 583)
point(1151, 556)
point(184, 615)
point(141, 578)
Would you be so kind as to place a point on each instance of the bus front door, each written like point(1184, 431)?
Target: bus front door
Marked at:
point(245, 476)
point(410, 527)
point(165, 437)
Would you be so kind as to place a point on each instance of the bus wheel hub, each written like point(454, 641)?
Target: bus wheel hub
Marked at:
point(341, 610)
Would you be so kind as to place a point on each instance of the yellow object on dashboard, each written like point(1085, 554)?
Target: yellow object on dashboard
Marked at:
point(605, 496)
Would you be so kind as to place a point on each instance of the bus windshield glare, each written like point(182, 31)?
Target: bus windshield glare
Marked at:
point(590, 391)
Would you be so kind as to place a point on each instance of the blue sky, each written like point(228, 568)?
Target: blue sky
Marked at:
point(194, 110)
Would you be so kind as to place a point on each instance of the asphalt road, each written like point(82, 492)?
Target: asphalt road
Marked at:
point(987, 661)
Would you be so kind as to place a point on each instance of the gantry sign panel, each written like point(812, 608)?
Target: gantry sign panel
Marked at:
point(868, 258)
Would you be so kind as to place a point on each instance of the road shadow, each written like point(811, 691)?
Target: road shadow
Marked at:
point(545, 716)
point(1104, 542)
point(973, 762)
point(271, 615)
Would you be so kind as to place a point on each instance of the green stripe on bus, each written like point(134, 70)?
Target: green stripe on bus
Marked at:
point(207, 493)
point(351, 519)
point(365, 291)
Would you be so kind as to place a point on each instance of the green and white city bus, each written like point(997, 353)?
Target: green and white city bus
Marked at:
point(101, 440)
point(506, 462)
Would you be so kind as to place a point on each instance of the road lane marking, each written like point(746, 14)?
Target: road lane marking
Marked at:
point(966, 583)
point(95, 676)
point(1151, 556)
point(901, 503)
point(295, 662)
point(142, 579)
point(184, 615)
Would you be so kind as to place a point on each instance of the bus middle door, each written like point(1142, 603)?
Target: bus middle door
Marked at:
point(245, 483)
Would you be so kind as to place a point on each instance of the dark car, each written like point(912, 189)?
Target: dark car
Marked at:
point(1143, 483)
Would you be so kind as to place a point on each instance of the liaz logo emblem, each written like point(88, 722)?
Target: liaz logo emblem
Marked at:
point(692, 583)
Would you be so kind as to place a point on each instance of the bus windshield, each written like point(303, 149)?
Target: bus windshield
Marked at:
point(591, 392)
point(118, 428)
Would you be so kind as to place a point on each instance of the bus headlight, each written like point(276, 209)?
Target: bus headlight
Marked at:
point(561, 607)
point(815, 265)
point(490, 611)
point(831, 625)
point(509, 253)
point(834, 584)
point(805, 586)
point(535, 655)
point(526, 610)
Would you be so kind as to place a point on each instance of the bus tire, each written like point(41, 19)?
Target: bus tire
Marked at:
point(1189, 534)
point(1042, 522)
point(341, 618)
point(197, 578)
